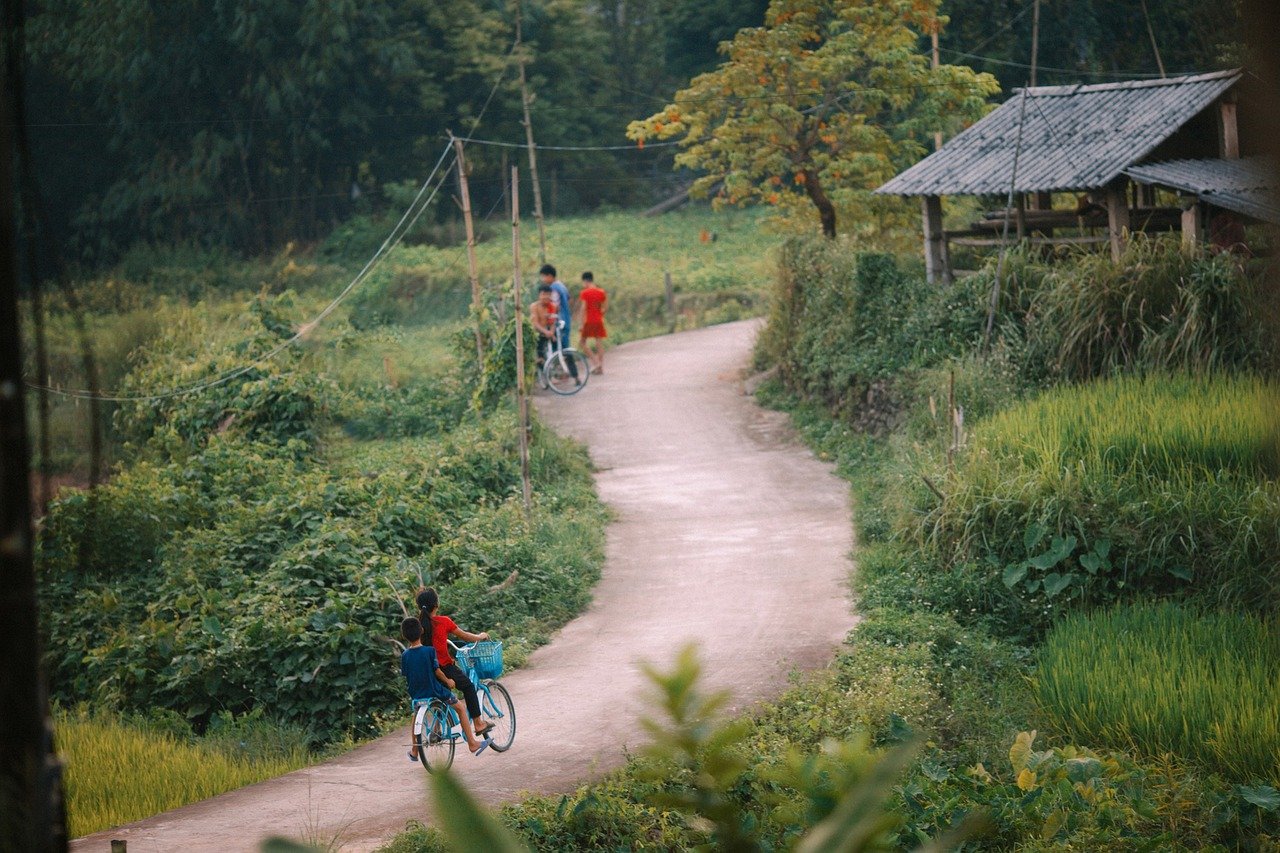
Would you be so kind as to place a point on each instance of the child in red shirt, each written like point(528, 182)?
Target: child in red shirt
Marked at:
point(593, 300)
point(440, 628)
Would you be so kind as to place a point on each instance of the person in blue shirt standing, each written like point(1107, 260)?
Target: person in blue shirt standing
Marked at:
point(426, 681)
point(563, 313)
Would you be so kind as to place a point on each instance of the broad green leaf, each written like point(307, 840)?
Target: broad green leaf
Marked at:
point(1055, 583)
point(1181, 572)
point(1091, 562)
point(1264, 797)
point(1034, 535)
point(1014, 573)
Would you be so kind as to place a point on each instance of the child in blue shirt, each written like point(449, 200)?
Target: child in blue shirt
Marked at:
point(427, 681)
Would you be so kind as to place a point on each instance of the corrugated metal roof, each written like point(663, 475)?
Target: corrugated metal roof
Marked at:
point(1248, 186)
point(1073, 138)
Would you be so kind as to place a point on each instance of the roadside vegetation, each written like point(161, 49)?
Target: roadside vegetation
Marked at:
point(249, 552)
point(1072, 670)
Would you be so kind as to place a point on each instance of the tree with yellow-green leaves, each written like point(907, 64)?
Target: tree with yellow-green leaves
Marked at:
point(823, 103)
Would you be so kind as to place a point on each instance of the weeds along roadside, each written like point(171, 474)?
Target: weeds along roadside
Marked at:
point(1066, 501)
point(947, 651)
point(250, 558)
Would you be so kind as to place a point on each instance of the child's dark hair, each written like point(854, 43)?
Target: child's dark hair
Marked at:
point(411, 629)
point(547, 269)
point(427, 600)
point(586, 276)
point(546, 288)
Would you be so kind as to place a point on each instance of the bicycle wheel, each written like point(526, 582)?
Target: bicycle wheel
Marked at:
point(495, 703)
point(433, 731)
point(560, 371)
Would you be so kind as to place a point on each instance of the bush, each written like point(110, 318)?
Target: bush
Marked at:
point(236, 578)
point(1168, 679)
point(1124, 487)
point(1159, 308)
point(263, 400)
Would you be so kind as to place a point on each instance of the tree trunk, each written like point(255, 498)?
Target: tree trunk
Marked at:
point(826, 210)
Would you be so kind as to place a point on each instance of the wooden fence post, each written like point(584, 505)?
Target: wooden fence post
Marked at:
point(669, 295)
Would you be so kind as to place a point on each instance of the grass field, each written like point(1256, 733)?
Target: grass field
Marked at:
point(119, 771)
point(1165, 678)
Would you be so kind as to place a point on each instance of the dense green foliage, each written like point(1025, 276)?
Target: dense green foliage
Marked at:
point(240, 125)
point(248, 557)
point(1085, 42)
point(121, 769)
point(1165, 678)
point(842, 320)
point(1131, 486)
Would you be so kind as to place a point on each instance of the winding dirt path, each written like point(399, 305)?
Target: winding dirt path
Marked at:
point(727, 533)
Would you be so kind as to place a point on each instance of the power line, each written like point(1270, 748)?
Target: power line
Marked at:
point(1083, 72)
point(570, 147)
point(392, 240)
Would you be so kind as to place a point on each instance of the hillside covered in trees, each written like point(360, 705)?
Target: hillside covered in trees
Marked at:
point(249, 125)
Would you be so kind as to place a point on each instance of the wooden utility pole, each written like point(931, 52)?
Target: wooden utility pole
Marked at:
point(533, 155)
point(522, 396)
point(1035, 41)
point(937, 60)
point(31, 816)
point(465, 192)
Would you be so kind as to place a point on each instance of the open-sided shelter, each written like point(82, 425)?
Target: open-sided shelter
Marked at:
point(1094, 142)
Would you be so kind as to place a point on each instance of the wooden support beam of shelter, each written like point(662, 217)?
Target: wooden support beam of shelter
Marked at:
point(1192, 224)
point(1117, 217)
point(935, 247)
point(1228, 132)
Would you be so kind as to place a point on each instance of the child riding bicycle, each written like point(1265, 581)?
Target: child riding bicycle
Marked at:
point(426, 681)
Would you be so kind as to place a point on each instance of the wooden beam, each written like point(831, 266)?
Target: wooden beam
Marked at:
point(934, 249)
point(1117, 217)
point(1021, 215)
point(1192, 224)
point(1229, 137)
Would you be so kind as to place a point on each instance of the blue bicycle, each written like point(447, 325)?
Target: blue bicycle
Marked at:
point(436, 727)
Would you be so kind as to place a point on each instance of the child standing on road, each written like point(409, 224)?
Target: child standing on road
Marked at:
point(439, 629)
point(593, 300)
point(427, 681)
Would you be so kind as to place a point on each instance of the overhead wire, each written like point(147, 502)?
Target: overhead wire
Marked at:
point(393, 239)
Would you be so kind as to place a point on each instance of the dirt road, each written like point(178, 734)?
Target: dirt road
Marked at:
point(728, 533)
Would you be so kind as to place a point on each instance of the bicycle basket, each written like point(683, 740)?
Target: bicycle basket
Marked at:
point(485, 658)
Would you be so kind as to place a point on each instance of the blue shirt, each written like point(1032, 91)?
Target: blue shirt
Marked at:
point(562, 311)
point(418, 665)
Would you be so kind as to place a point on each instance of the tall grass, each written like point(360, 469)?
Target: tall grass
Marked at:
point(1165, 678)
point(1166, 426)
point(1169, 482)
point(1159, 308)
point(119, 771)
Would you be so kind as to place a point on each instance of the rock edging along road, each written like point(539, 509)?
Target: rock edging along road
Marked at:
point(728, 533)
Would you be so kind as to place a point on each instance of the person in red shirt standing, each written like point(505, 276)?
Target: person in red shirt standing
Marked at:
point(439, 629)
point(593, 299)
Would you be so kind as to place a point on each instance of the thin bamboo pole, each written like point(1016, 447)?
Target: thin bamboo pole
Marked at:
point(522, 396)
point(532, 148)
point(465, 192)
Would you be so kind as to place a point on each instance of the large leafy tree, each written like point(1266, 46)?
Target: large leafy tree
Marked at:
point(245, 122)
point(818, 106)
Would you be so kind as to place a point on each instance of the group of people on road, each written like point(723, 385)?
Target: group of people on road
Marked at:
point(552, 317)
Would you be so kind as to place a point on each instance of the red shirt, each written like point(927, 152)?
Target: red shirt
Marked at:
point(440, 628)
point(593, 298)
